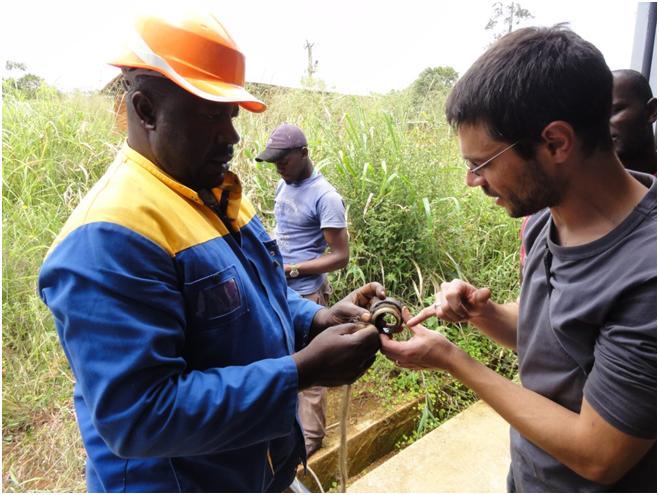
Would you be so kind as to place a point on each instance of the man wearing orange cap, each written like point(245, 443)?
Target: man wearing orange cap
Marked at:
point(169, 297)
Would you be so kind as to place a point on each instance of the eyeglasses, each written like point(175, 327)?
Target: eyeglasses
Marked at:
point(475, 170)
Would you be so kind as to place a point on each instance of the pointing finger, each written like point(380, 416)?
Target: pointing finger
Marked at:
point(423, 315)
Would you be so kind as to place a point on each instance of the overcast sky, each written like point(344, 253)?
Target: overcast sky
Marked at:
point(361, 46)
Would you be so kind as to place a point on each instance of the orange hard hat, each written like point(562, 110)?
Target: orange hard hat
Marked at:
point(193, 51)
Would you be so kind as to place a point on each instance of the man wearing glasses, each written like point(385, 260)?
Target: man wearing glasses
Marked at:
point(532, 117)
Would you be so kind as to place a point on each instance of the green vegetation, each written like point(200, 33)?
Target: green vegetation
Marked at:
point(412, 221)
point(431, 83)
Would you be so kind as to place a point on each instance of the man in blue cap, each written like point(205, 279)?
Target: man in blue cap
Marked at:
point(313, 237)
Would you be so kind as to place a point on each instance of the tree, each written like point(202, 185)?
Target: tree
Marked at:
point(309, 80)
point(432, 81)
point(505, 17)
point(11, 65)
point(312, 66)
point(24, 83)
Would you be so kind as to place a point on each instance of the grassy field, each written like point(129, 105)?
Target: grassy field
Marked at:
point(412, 222)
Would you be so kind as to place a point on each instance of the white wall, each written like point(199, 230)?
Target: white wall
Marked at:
point(641, 32)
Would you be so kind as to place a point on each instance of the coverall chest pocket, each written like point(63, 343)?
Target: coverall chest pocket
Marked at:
point(216, 299)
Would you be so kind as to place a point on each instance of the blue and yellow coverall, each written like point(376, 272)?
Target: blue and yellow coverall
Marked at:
point(179, 332)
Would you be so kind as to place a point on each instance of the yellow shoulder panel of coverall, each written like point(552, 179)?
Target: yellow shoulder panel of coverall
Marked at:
point(136, 194)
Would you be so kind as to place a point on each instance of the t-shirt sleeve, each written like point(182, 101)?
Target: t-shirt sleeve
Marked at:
point(622, 386)
point(531, 232)
point(331, 210)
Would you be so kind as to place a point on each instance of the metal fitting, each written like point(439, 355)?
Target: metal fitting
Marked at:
point(387, 315)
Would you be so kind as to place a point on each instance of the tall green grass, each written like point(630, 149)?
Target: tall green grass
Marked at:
point(54, 148)
point(412, 224)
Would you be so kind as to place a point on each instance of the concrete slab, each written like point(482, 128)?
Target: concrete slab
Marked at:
point(468, 453)
point(369, 439)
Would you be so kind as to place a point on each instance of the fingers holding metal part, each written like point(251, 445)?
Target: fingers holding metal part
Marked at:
point(426, 349)
point(362, 296)
point(337, 356)
point(356, 305)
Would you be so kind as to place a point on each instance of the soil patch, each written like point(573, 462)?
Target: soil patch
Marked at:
point(375, 428)
point(364, 405)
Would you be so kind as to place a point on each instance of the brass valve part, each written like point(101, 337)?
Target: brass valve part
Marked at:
point(380, 308)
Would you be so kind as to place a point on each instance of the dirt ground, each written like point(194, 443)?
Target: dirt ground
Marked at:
point(371, 445)
point(363, 405)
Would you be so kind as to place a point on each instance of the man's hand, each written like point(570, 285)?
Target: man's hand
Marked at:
point(353, 307)
point(426, 349)
point(337, 356)
point(457, 301)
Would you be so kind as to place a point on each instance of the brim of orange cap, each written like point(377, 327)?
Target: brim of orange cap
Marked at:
point(230, 92)
point(204, 87)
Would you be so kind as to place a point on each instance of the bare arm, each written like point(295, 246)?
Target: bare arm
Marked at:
point(499, 322)
point(337, 258)
point(584, 442)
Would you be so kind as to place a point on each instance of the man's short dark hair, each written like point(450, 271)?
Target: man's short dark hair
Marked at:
point(639, 84)
point(531, 77)
point(148, 82)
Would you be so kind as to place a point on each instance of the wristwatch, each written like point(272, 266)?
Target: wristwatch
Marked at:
point(295, 272)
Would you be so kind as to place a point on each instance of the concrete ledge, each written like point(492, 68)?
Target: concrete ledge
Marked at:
point(368, 441)
point(468, 453)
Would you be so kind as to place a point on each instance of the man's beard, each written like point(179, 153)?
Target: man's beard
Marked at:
point(534, 191)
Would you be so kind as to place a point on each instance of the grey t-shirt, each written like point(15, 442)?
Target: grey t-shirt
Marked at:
point(588, 328)
point(302, 210)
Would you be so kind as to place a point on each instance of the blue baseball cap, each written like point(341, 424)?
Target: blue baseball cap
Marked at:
point(284, 138)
